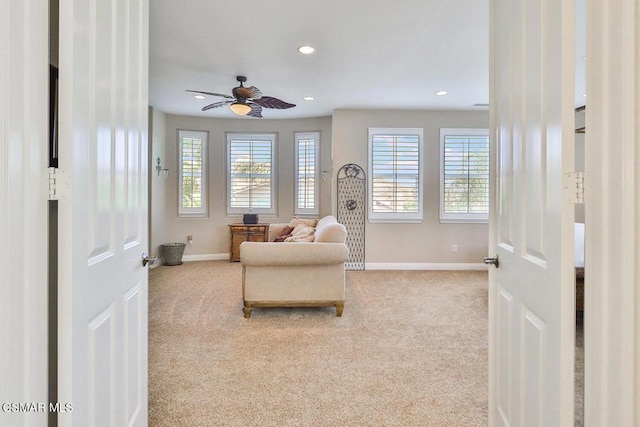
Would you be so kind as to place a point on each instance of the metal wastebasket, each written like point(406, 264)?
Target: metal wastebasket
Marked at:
point(171, 253)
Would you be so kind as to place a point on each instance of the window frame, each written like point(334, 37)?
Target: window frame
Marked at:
point(315, 210)
point(203, 211)
point(397, 217)
point(465, 217)
point(249, 136)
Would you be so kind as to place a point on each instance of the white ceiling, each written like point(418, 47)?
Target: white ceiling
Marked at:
point(389, 54)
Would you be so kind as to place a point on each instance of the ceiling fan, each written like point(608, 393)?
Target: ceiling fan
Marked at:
point(246, 101)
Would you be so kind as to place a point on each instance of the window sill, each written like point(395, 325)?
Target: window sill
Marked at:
point(395, 221)
point(195, 216)
point(464, 221)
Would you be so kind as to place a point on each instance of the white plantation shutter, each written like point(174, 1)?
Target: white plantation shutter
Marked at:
point(395, 163)
point(464, 178)
point(192, 173)
point(251, 173)
point(306, 197)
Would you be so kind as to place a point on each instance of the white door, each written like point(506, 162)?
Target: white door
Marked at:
point(23, 209)
point(103, 221)
point(531, 314)
point(612, 258)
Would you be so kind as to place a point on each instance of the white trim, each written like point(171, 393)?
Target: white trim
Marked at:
point(368, 266)
point(203, 211)
point(24, 253)
point(205, 257)
point(272, 138)
point(424, 266)
point(612, 228)
point(396, 217)
point(458, 218)
point(297, 137)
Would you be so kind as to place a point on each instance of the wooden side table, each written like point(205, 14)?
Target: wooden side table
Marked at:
point(246, 233)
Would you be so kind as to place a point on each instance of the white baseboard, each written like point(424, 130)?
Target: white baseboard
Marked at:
point(367, 266)
point(424, 266)
point(205, 257)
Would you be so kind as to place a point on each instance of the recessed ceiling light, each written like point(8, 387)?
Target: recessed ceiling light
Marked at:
point(584, 94)
point(308, 98)
point(306, 50)
point(199, 96)
point(441, 92)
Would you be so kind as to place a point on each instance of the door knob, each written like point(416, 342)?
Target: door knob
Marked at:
point(495, 261)
point(148, 259)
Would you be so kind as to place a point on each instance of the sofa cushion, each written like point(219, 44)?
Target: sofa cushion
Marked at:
point(293, 254)
point(331, 233)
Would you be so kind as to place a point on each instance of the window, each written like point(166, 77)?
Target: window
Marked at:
point(192, 185)
point(464, 175)
point(395, 163)
point(251, 165)
point(306, 170)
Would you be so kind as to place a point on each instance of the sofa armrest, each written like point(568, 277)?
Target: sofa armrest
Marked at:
point(293, 253)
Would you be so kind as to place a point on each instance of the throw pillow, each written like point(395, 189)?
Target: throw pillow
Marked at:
point(305, 221)
point(301, 233)
point(286, 232)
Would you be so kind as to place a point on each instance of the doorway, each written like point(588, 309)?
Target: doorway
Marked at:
point(580, 135)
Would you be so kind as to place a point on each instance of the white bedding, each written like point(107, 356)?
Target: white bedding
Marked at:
point(579, 244)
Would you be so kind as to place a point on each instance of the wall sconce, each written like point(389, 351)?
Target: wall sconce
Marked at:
point(160, 169)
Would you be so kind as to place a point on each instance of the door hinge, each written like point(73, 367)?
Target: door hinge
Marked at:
point(574, 187)
point(57, 184)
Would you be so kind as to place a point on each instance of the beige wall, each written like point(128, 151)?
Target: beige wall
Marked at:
point(158, 184)
point(345, 135)
point(429, 241)
point(211, 234)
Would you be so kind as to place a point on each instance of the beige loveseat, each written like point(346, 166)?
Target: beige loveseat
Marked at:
point(296, 274)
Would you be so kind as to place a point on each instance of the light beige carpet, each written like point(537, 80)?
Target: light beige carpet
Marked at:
point(410, 350)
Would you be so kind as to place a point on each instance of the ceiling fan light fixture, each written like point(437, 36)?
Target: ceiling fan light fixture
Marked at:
point(246, 101)
point(306, 50)
point(240, 108)
point(199, 96)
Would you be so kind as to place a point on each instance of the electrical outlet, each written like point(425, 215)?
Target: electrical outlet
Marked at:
point(454, 248)
point(190, 239)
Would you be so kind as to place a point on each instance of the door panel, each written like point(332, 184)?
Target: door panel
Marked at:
point(531, 293)
point(101, 368)
point(103, 223)
point(135, 359)
point(503, 341)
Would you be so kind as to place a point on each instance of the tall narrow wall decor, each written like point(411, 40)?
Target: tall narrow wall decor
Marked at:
point(352, 201)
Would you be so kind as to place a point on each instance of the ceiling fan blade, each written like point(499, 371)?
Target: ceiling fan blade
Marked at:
point(248, 92)
point(256, 111)
point(211, 93)
point(216, 105)
point(271, 102)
